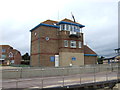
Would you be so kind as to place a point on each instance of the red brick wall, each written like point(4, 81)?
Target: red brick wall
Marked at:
point(44, 49)
point(64, 35)
point(90, 60)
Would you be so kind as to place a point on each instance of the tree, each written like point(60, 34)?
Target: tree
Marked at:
point(100, 60)
point(25, 59)
point(26, 56)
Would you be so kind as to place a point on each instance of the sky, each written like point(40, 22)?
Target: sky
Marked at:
point(100, 17)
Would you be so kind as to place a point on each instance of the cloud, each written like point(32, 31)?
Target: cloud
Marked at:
point(99, 17)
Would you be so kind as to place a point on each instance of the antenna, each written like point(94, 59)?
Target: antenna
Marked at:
point(73, 17)
point(86, 43)
point(58, 15)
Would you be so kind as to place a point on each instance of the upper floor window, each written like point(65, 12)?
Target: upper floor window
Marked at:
point(70, 28)
point(65, 43)
point(80, 44)
point(62, 27)
point(73, 44)
point(67, 27)
point(3, 50)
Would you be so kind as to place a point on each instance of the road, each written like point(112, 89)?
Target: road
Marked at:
point(58, 81)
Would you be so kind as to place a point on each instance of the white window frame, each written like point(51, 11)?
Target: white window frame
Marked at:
point(73, 44)
point(3, 56)
point(72, 30)
point(80, 44)
point(62, 26)
point(10, 54)
point(12, 61)
point(65, 43)
point(67, 27)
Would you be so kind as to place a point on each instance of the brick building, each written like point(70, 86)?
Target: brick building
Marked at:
point(60, 43)
point(8, 55)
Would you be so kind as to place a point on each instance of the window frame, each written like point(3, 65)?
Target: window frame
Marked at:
point(3, 56)
point(80, 44)
point(74, 44)
point(65, 43)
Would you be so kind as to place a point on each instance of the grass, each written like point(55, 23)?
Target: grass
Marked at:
point(22, 65)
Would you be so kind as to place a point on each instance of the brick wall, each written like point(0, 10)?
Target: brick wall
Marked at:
point(16, 55)
point(90, 60)
point(44, 48)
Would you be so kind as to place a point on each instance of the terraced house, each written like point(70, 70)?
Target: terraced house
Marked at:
point(8, 55)
point(60, 43)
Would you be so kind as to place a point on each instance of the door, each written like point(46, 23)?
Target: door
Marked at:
point(56, 60)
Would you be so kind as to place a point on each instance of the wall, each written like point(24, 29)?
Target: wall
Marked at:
point(16, 55)
point(43, 49)
point(90, 60)
point(66, 59)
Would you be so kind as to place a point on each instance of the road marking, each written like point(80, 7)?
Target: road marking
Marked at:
point(58, 85)
point(34, 87)
point(92, 79)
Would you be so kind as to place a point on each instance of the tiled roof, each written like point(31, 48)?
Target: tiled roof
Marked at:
point(68, 20)
point(87, 50)
point(5, 46)
point(50, 22)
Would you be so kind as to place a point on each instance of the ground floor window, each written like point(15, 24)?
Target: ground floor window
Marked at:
point(12, 61)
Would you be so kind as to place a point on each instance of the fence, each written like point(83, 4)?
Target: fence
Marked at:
point(62, 76)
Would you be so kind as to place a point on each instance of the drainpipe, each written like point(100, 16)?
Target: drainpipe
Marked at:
point(31, 50)
point(39, 49)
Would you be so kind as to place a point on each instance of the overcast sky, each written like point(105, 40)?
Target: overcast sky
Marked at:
point(100, 18)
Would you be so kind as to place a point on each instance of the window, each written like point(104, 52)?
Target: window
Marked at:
point(10, 54)
point(62, 27)
point(65, 43)
point(67, 27)
point(73, 44)
point(3, 50)
point(70, 27)
point(80, 44)
point(3, 56)
point(12, 61)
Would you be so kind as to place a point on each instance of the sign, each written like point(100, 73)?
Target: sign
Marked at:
point(73, 58)
point(52, 58)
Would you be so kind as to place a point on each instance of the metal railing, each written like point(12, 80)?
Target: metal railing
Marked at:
point(35, 77)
